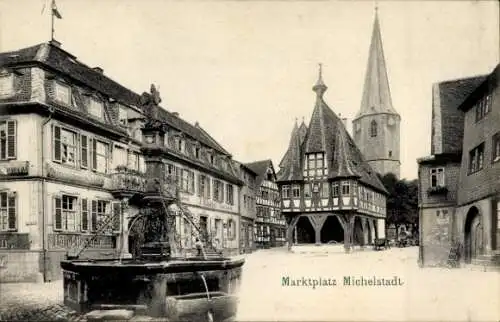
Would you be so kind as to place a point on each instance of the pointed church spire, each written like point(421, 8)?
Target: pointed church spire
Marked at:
point(376, 93)
point(320, 87)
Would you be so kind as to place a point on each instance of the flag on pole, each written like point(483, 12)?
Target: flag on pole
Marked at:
point(55, 12)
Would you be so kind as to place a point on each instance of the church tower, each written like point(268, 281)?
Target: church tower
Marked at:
point(376, 127)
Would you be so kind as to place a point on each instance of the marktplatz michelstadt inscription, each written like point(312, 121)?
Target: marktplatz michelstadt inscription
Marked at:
point(314, 282)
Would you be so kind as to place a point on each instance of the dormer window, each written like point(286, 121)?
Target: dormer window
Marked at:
point(63, 93)
point(122, 116)
point(212, 159)
point(315, 164)
point(96, 108)
point(6, 85)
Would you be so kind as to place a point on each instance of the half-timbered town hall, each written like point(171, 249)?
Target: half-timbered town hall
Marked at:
point(329, 193)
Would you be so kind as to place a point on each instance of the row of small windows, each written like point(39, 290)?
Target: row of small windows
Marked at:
point(344, 188)
point(476, 155)
point(63, 94)
point(208, 188)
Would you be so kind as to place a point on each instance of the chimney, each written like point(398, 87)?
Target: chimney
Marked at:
point(176, 114)
point(98, 69)
point(344, 120)
point(55, 43)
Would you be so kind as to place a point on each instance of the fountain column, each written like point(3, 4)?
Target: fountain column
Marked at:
point(124, 231)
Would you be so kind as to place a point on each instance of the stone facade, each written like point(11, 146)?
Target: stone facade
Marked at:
point(459, 189)
point(73, 165)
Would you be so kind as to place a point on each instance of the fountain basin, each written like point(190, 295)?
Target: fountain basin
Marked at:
point(179, 289)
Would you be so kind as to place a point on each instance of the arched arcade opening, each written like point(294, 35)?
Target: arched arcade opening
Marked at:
point(473, 235)
point(305, 231)
point(332, 231)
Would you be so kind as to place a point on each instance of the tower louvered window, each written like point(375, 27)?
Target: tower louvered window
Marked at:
point(373, 129)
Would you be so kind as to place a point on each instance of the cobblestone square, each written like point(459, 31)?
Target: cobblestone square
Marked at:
point(433, 294)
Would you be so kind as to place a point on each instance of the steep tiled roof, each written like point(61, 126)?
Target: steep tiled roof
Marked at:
point(447, 119)
point(55, 58)
point(343, 157)
point(376, 92)
point(290, 166)
point(260, 168)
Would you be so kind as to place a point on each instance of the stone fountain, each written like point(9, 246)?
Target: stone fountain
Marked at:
point(156, 281)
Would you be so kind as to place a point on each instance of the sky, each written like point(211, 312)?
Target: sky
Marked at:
point(245, 69)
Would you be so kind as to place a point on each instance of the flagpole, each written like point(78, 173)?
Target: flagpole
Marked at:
point(52, 21)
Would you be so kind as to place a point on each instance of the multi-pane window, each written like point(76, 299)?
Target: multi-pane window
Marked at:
point(229, 194)
point(437, 177)
point(8, 211)
point(99, 213)
point(265, 195)
point(101, 156)
point(65, 146)
point(187, 181)
point(335, 189)
point(373, 129)
point(133, 161)
point(285, 192)
point(295, 191)
point(6, 85)
point(315, 164)
point(324, 190)
point(231, 229)
point(483, 107)
point(218, 194)
point(496, 147)
point(202, 185)
point(345, 188)
point(307, 190)
point(63, 93)
point(476, 158)
point(119, 156)
point(8, 144)
point(96, 108)
point(69, 220)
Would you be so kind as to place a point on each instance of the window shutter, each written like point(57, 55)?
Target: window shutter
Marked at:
point(209, 184)
point(199, 185)
point(11, 139)
point(94, 215)
point(85, 215)
point(117, 216)
point(56, 130)
point(93, 155)
point(84, 151)
point(57, 213)
point(12, 212)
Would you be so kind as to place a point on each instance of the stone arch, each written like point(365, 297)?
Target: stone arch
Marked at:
point(305, 231)
point(473, 234)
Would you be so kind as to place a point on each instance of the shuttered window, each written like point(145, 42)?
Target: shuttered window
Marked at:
point(84, 152)
point(85, 215)
point(8, 144)
point(8, 211)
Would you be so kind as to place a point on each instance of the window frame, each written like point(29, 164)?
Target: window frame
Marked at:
point(8, 142)
point(476, 159)
point(9, 80)
point(439, 174)
point(373, 128)
point(58, 85)
point(495, 148)
point(285, 191)
point(9, 211)
point(96, 102)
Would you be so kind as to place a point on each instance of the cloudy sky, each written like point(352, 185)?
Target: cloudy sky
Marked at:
point(244, 69)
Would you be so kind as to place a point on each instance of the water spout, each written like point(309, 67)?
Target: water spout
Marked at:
point(210, 316)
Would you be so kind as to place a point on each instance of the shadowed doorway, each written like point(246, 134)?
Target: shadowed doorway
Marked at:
point(473, 238)
point(305, 231)
point(332, 231)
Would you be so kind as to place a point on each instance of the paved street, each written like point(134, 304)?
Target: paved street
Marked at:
point(425, 295)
